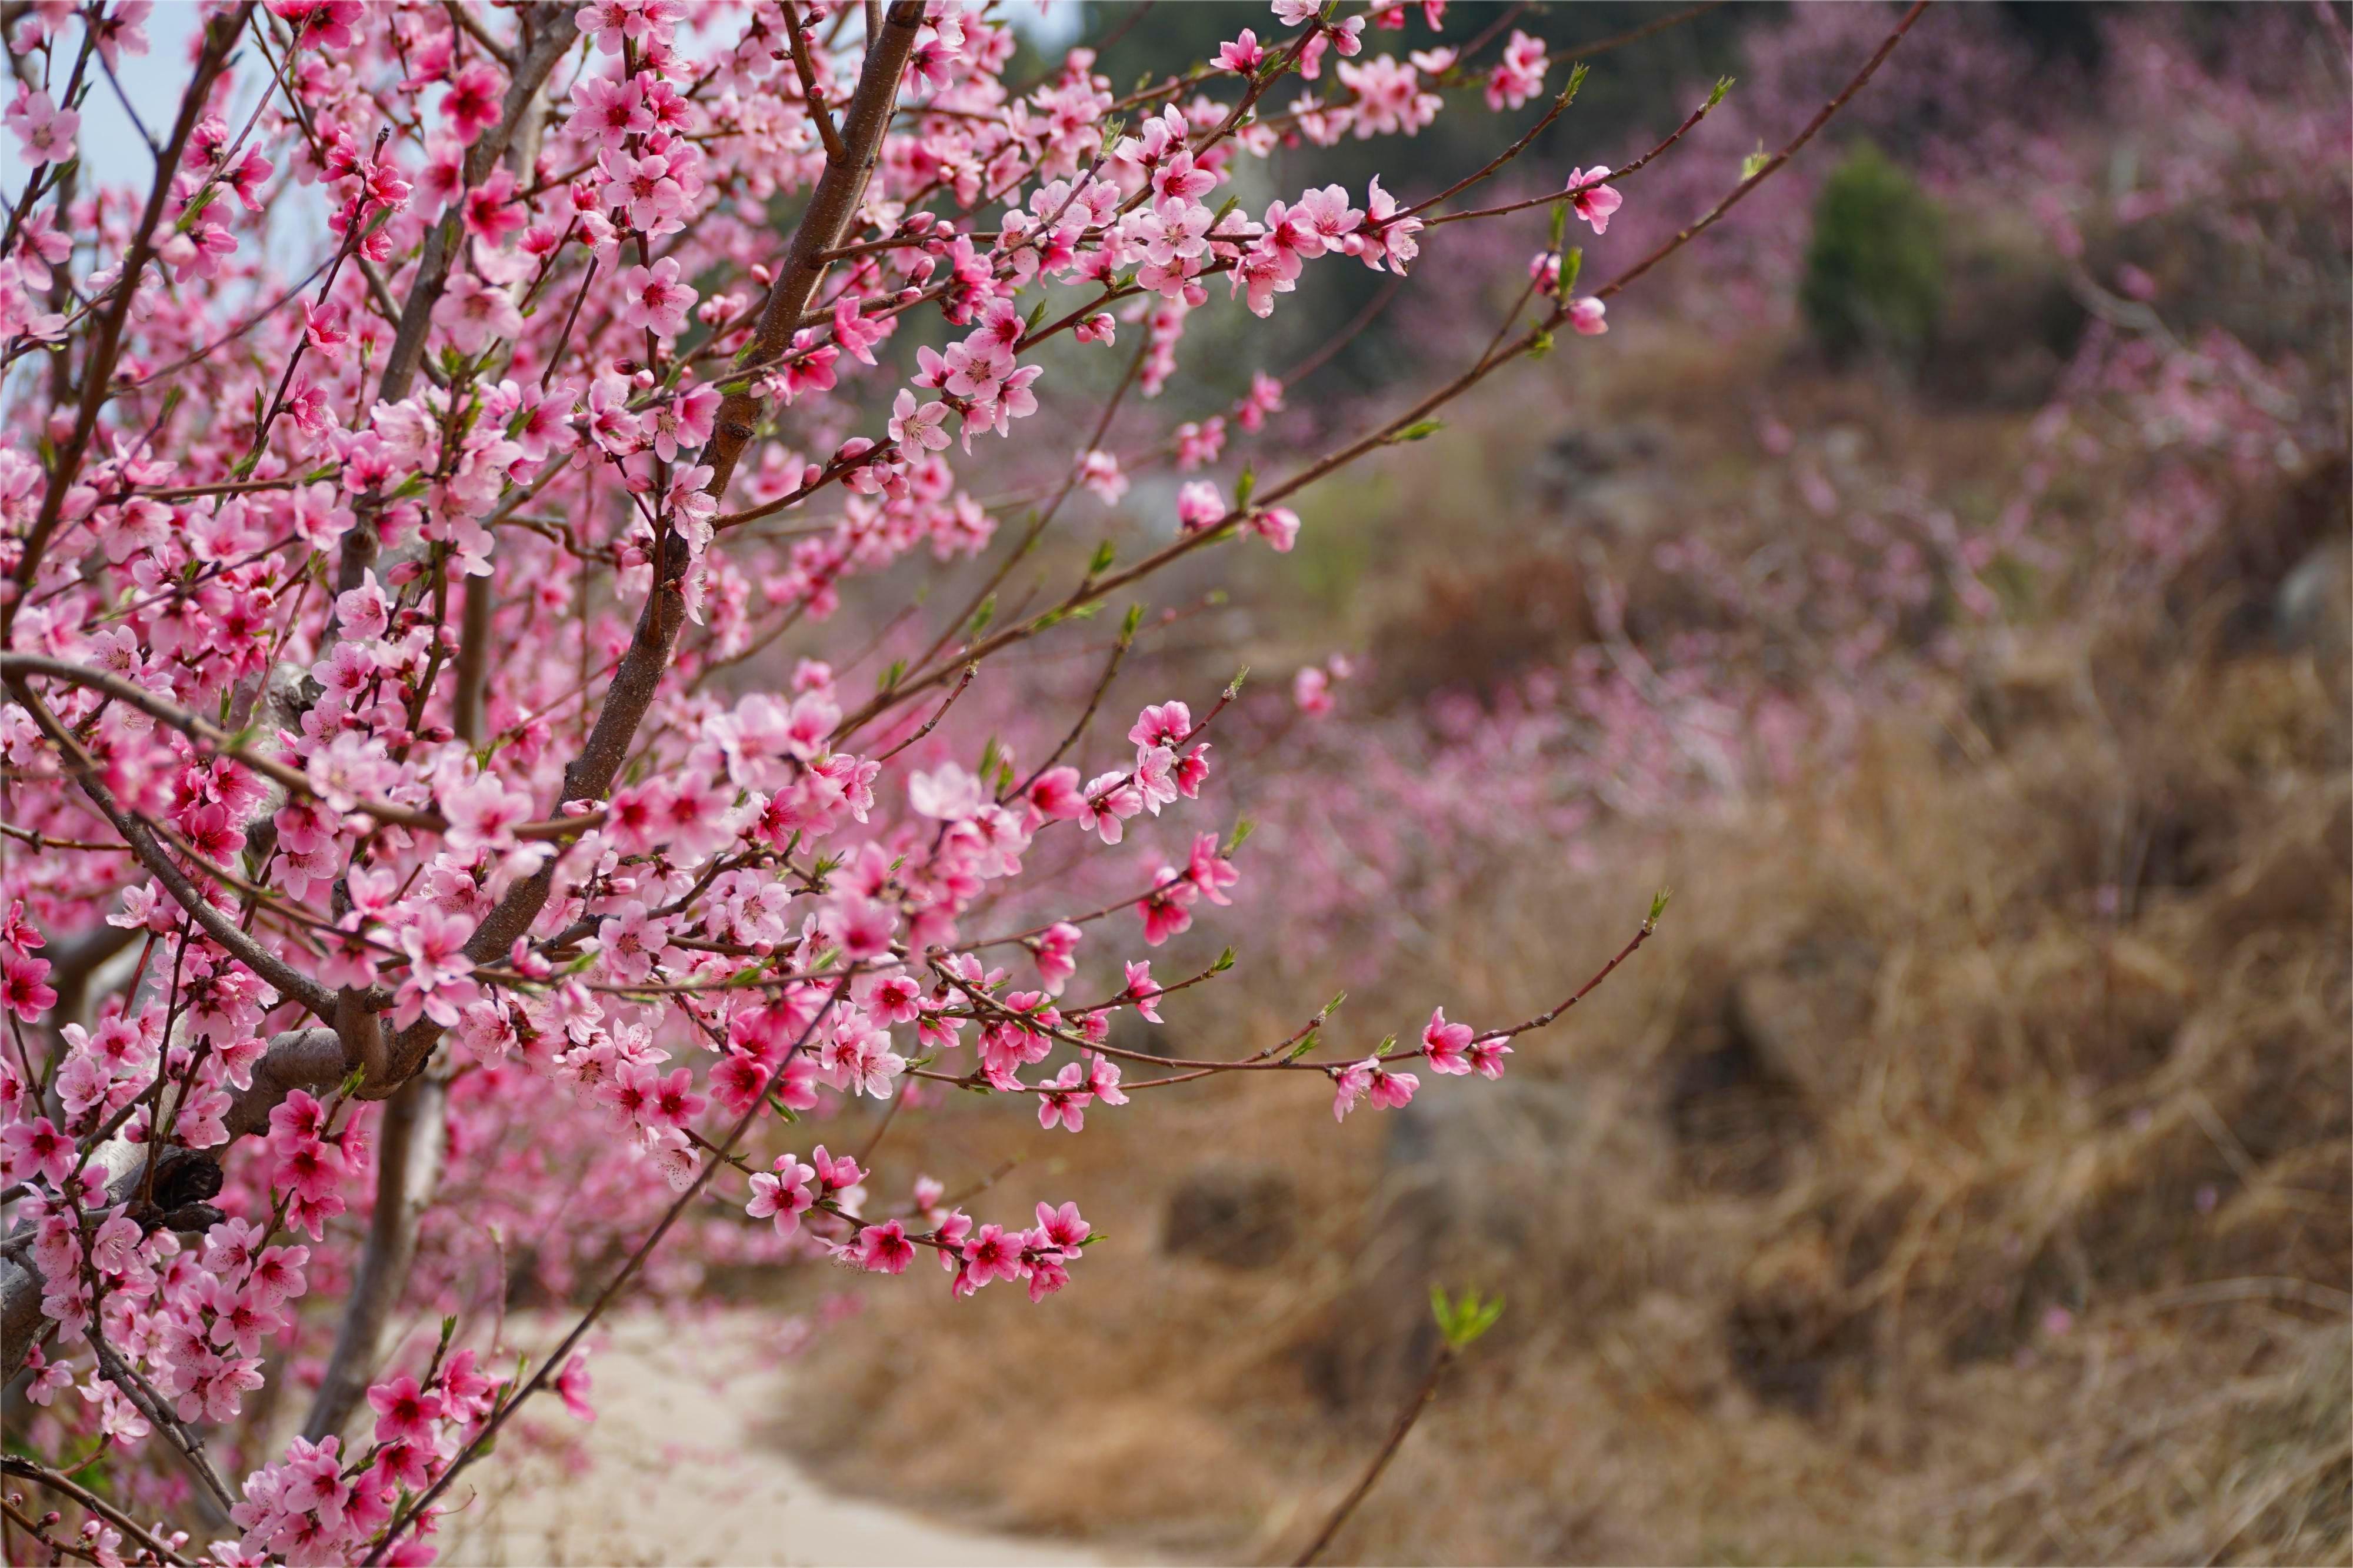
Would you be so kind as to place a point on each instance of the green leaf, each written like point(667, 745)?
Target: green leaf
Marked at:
point(1037, 314)
point(1234, 686)
point(1128, 624)
point(1225, 961)
point(892, 675)
point(1463, 1320)
point(1753, 164)
point(1100, 563)
point(1723, 86)
point(1243, 828)
point(1244, 486)
point(1559, 224)
point(1419, 430)
point(983, 616)
point(1658, 906)
point(1572, 263)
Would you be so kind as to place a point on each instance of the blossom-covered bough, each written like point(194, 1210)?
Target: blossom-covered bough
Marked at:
point(359, 635)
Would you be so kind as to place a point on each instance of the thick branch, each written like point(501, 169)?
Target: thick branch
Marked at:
point(473, 671)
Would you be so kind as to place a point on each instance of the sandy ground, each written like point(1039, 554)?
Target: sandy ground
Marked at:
point(676, 1470)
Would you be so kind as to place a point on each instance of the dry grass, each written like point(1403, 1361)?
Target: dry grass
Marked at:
point(1896, 1205)
point(1962, 1175)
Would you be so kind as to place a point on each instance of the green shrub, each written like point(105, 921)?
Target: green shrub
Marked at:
point(1875, 272)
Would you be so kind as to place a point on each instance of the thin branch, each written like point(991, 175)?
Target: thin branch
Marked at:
point(15, 666)
point(807, 70)
point(1414, 1406)
point(939, 713)
point(288, 981)
point(41, 1474)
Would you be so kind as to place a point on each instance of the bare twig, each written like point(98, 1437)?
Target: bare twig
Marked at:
point(41, 1474)
point(1414, 1406)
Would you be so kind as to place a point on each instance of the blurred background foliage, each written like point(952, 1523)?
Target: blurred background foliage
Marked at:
point(1874, 277)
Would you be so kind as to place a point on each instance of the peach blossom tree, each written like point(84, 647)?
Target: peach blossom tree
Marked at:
point(424, 862)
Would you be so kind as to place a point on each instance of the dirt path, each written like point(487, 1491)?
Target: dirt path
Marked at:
point(673, 1471)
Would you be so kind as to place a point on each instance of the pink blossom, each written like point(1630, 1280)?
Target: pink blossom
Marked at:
point(1100, 473)
point(1108, 801)
point(916, 430)
point(1141, 990)
point(1199, 506)
point(1242, 54)
point(476, 314)
point(1446, 1045)
point(1311, 690)
point(1278, 525)
point(653, 298)
point(1593, 201)
point(572, 1385)
point(1065, 1098)
point(783, 1193)
point(1370, 1079)
point(1519, 75)
point(436, 984)
point(35, 1148)
point(23, 990)
point(645, 190)
point(483, 812)
point(471, 103)
point(1386, 237)
point(44, 131)
point(991, 1254)
point(404, 1413)
point(884, 1249)
point(1056, 797)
